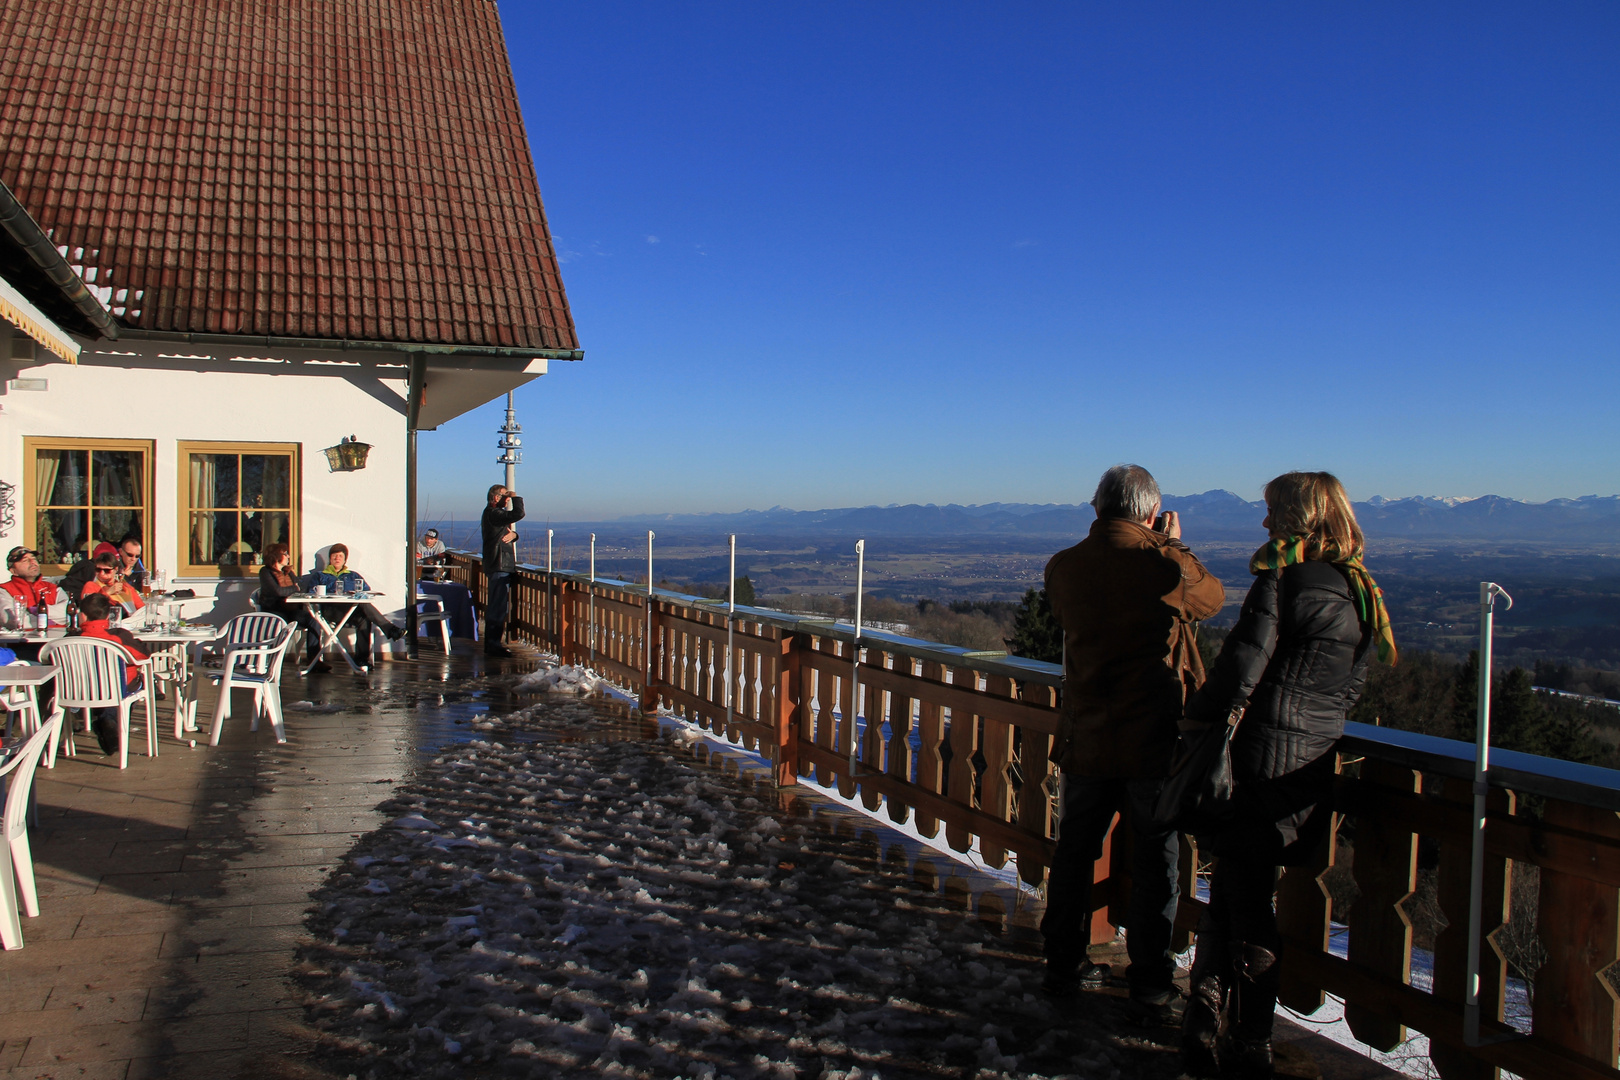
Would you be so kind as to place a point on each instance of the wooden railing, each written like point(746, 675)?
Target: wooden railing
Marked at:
point(959, 741)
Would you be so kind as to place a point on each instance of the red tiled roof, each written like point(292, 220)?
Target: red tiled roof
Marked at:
point(346, 169)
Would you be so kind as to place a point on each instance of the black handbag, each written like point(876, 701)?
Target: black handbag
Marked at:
point(1197, 793)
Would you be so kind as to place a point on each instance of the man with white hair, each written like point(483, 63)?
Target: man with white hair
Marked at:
point(1128, 597)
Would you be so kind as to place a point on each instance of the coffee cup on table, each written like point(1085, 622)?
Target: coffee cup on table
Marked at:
point(320, 590)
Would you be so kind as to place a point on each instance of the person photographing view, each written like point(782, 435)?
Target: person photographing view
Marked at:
point(500, 562)
point(1127, 598)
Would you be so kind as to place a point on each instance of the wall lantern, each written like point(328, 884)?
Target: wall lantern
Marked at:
point(348, 455)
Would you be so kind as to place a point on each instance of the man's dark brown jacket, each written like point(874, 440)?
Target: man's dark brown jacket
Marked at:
point(1127, 598)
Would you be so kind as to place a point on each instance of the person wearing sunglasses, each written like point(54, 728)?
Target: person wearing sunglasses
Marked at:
point(109, 580)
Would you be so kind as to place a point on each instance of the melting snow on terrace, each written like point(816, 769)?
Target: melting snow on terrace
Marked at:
point(554, 898)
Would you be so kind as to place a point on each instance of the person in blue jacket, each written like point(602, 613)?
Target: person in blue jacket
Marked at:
point(340, 577)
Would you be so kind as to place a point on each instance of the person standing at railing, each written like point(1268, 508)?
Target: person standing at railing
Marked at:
point(500, 562)
point(1294, 664)
point(1127, 597)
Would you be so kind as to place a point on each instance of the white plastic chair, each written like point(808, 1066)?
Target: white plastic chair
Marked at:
point(255, 664)
point(91, 675)
point(18, 882)
point(430, 609)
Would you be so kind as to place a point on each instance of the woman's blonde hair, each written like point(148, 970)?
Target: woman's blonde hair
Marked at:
point(1314, 505)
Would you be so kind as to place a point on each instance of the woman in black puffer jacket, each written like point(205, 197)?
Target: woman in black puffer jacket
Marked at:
point(1297, 660)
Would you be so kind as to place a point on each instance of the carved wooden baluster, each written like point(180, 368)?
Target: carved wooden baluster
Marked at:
point(753, 667)
point(897, 757)
point(1579, 925)
point(1451, 946)
point(874, 750)
point(849, 706)
point(790, 703)
point(963, 739)
point(1385, 871)
point(930, 731)
point(829, 689)
point(996, 792)
point(1034, 798)
point(705, 674)
point(748, 697)
point(1304, 914)
point(690, 658)
point(826, 705)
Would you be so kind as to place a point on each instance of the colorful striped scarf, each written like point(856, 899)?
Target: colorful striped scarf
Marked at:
point(1369, 598)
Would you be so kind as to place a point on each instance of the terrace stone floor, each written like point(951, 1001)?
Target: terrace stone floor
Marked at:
point(178, 896)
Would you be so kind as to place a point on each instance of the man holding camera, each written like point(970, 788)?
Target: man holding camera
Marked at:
point(500, 562)
point(1128, 597)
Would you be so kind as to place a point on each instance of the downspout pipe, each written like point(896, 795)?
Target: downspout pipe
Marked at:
point(413, 406)
point(27, 234)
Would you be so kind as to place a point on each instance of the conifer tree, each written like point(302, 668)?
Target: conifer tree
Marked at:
point(1036, 634)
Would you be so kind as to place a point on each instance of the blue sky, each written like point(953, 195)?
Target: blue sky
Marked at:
point(842, 254)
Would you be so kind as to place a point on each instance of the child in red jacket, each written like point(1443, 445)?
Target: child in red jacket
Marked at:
point(93, 612)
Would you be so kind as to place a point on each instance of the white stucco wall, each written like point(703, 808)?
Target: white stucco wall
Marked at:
point(302, 398)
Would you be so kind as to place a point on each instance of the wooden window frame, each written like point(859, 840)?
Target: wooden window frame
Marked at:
point(184, 449)
point(34, 443)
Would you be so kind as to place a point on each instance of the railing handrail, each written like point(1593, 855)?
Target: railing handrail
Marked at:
point(988, 662)
point(1589, 785)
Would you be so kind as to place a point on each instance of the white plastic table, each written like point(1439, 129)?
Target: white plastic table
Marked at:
point(29, 677)
point(175, 642)
point(329, 633)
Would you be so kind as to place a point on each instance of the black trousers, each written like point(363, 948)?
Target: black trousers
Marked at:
point(500, 601)
point(1240, 906)
point(1089, 805)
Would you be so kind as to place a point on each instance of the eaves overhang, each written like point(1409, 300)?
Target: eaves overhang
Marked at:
point(29, 259)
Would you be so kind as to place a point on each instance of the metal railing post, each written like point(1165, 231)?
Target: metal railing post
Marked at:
point(1488, 592)
point(551, 599)
point(648, 702)
point(592, 663)
point(731, 615)
point(855, 662)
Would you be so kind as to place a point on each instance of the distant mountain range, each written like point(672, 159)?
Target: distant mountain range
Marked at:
point(1211, 516)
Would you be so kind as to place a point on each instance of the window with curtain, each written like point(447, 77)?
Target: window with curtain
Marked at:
point(236, 499)
point(79, 492)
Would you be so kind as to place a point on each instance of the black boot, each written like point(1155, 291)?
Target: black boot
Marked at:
point(105, 725)
point(492, 640)
point(1067, 980)
point(1201, 1021)
point(1254, 1005)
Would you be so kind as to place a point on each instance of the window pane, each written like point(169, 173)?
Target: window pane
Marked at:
point(212, 481)
point(272, 528)
point(265, 480)
point(61, 536)
point(61, 477)
point(213, 538)
point(117, 477)
point(113, 525)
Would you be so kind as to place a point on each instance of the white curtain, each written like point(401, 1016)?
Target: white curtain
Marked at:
point(202, 499)
point(47, 463)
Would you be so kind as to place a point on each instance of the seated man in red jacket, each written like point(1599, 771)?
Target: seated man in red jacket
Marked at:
point(93, 612)
point(26, 584)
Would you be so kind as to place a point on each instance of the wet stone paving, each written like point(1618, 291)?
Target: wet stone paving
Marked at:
point(440, 876)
